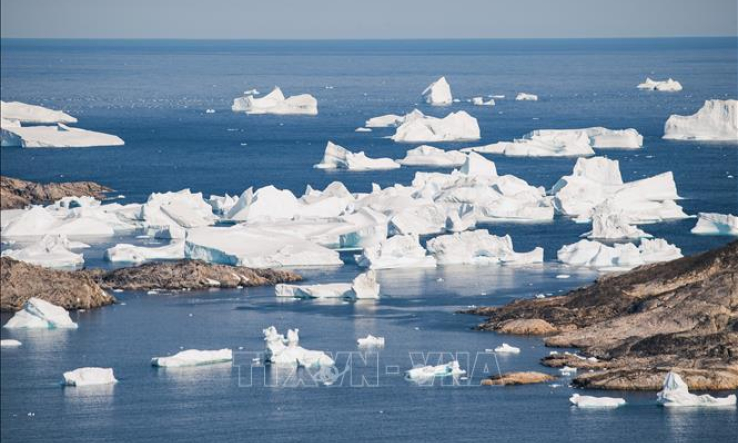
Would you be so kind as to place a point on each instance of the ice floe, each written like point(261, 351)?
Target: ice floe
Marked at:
point(480, 101)
point(276, 103)
point(675, 393)
point(400, 251)
point(479, 248)
point(507, 349)
point(10, 343)
point(193, 357)
point(33, 114)
point(717, 120)
point(523, 96)
point(59, 136)
point(585, 401)
point(370, 341)
point(51, 251)
point(338, 157)
point(364, 286)
point(438, 93)
point(127, 253)
point(456, 126)
point(89, 377)
point(593, 254)
point(669, 85)
point(451, 369)
point(710, 223)
point(40, 314)
point(287, 351)
point(430, 156)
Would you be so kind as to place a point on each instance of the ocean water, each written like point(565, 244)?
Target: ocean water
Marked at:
point(154, 95)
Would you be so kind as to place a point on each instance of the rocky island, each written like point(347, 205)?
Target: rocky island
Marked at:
point(17, 194)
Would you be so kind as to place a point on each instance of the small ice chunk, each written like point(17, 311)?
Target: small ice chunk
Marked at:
point(286, 351)
point(338, 157)
point(370, 341)
point(40, 314)
point(364, 286)
point(89, 377)
point(710, 223)
point(507, 349)
point(669, 85)
point(523, 96)
point(451, 369)
point(10, 343)
point(675, 393)
point(585, 401)
point(567, 371)
point(479, 101)
point(193, 357)
point(361, 129)
point(276, 103)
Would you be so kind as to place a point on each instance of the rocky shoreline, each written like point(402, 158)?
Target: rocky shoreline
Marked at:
point(17, 194)
point(680, 315)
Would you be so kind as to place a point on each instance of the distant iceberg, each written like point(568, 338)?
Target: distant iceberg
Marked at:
point(193, 357)
point(89, 377)
point(522, 96)
point(717, 120)
point(507, 349)
point(480, 101)
point(584, 401)
point(364, 286)
point(675, 393)
point(669, 85)
point(32, 114)
point(456, 126)
point(10, 343)
point(59, 136)
point(400, 251)
point(338, 157)
point(429, 156)
point(451, 369)
point(276, 103)
point(479, 248)
point(127, 253)
point(619, 256)
point(370, 341)
point(40, 314)
point(611, 223)
point(438, 93)
point(393, 120)
point(710, 223)
point(51, 251)
point(283, 351)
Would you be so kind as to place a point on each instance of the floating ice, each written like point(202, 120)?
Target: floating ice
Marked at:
point(89, 377)
point(10, 343)
point(268, 204)
point(568, 371)
point(363, 130)
point(479, 248)
point(276, 103)
point(429, 156)
point(170, 214)
point(127, 253)
point(522, 96)
point(370, 341)
point(401, 251)
point(456, 126)
point(544, 144)
point(59, 136)
point(610, 223)
point(669, 85)
point(585, 401)
point(24, 113)
point(710, 223)
point(364, 286)
point(338, 157)
point(451, 369)
point(438, 93)
point(675, 393)
point(619, 256)
point(507, 349)
point(40, 314)
point(716, 120)
point(393, 120)
point(281, 351)
point(479, 101)
point(52, 251)
point(193, 357)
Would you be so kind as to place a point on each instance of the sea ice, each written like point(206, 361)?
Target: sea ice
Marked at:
point(429, 156)
point(51, 251)
point(438, 93)
point(276, 103)
point(370, 341)
point(710, 223)
point(10, 343)
point(451, 369)
point(669, 85)
point(675, 393)
point(479, 248)
point(456, 126)
point(479, 101)
point(393, 120)
point(364, 286)
point(610, 223)
point(541, 144)
point(717, 120)
point(400, 251)
point(40, 314)
point(338, 157)
point(619, 256)
point(507, 349)
point(585, 401)
point(193, 357)
point(287, 351)
point(59, 136)
point(24, 113)
point(89, 377)
point(522, 96)
point(127, 253)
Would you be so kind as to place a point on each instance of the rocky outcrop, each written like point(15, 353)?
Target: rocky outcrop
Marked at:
point(525, 326)
point(517, 378)
point(188, 274)
point(680, 315)
point(70, 290)
point(16, 193)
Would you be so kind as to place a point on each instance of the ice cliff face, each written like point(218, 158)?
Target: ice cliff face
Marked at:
point(716, 120)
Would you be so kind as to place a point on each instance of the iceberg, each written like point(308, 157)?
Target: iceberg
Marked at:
point(451, 369)
point(40, 314)
point(59, 136)
point(456, 126)
point(479, 248)
point(170, 214)
point(193, 357)
point(550, 143)
point(717, 120)
point(610, 223)
point(585, 401)
point(619, 256)
point(710, 223)
point(255, 248)
point(89, 377)
point(599, 137)
point(288, 352)
point(371, 341)
point(400, 251)
point(507, 349)
point(24, 113)
point(86, 221)
point(269, 204)
point(393, 120)
point(364, 286)
point(276, 103)
point(338, 157)
point(522, 96)
point(479, 101)
point(675, 393)
point(669, 85)
point(421, 218)
point(127, 253)
point(438, 93)
point(10, 343)
point(52, 251)
point(429, 156)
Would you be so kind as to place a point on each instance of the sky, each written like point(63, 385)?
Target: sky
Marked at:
point(366, 19)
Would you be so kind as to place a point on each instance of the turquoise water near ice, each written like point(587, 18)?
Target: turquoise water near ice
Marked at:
point(154, 95)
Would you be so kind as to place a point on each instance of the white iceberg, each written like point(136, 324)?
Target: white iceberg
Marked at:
point(479, 248)
point(24, 113)
point(585, 401)
point(40, 314)
point(84, 221)
point(59, 136)
point(364, 286)
point(276, 103)
point(287, 351)
point(710, 223)
point(429, 156)
point(675, 393)
point(522, 96)
point(127, 253)
point(400, 251)
point(338, 157)
point(269, 204)
point(599, 137)
point(52, 251)
point(507, 349)
point(717, 120)
point(421, 218)
point(548, 143)
point(438, 93)
point(610, 223)
point(170, 214)
point(451, 369)
point(89, 377)
point(669, 85)
point(567, 371)
point(193, 357)
point(370, 341)
point(619, 256)
point(479, 101)
point(393, 120)
point(456, 126)
point(10, 343)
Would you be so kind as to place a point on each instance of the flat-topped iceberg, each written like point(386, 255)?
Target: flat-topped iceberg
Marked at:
point(456, 126)
point(543, 144)
point(370, 341)
point(127, 253)
point(288, 352)
point(33, 114)
point(438, 93)
point(193, 357)
point(393, 120)
point(364, 286)
point(400, 251)
point(40, 314)
point(429, 156)
point(585, 401)
point(523, 96)
point(669, 85)
point(619, 256)
point(480, 101)
point(710, 223)
point(338, 157)
point(599, 137)
point(51, 251)
point(59, 136)
point(276, 103)
point(507, 349)
point(451, 369)
point(479, 248)
point(89, 377)
point(10, 343)
point(675, 393)
point(717, 120)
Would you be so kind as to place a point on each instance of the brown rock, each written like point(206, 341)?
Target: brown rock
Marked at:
point(16, 193)
point(525, 326)
point(517, 378)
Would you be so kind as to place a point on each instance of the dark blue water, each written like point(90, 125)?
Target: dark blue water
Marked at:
point(154, 95)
